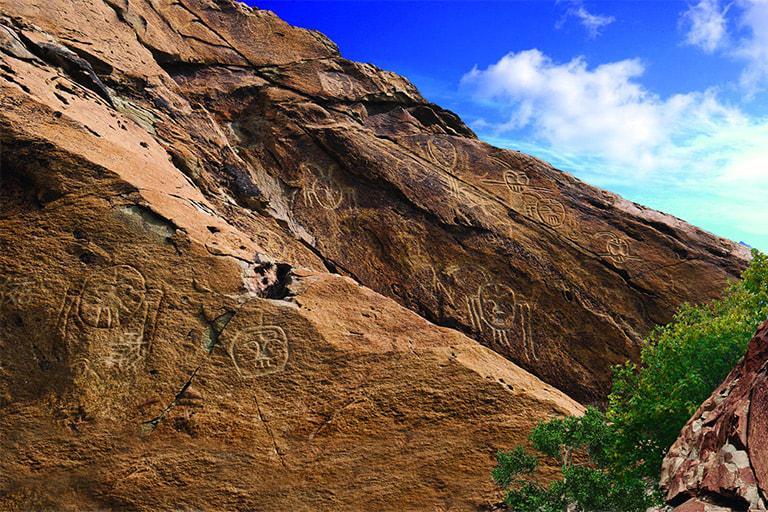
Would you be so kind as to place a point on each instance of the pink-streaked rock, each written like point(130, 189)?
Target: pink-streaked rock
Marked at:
point(721, 456)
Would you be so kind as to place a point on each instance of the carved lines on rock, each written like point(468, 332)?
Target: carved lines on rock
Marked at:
point(320, 189)
point(258, 350)
point(617, 248)
point(116, 302)
point(495, 310)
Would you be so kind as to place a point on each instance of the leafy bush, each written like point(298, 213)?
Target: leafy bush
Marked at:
point(611, 460)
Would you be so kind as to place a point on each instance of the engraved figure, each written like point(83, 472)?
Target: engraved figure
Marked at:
point(443, 152)
point(454, 187)
point(259, 350)
point(339, 85)
point(530, 205)
point(323, 191)
point(111, 295)
point(440, 290)
point(112, 315)
point(495, 308)
point(551, 212)
point(15, 291)
point(616, 248)
point(515, 180)
point(126, 352)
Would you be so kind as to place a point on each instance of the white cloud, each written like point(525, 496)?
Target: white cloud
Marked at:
point(689, 154)
point(753, 47)
point(707, 25)
point(708, 28)
point(592, 23)
point(601, 112)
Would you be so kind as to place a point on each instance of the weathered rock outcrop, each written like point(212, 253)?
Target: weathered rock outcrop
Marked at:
point(721, 456)
point(360, 175)
point(179, 183)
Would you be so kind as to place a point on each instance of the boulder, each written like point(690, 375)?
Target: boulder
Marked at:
point(370, 180)
point(721, 457)
point(240, 272)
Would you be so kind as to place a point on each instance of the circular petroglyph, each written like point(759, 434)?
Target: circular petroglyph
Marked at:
point(327, 194)
point(551, 212)
point(516, 181)
point(443, 152)
point(259, 350)
point(497, 303)
point(111, 296)
point(618, 249)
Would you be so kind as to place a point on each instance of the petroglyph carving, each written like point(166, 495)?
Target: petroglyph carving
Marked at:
point(338, 85)
point(517, 181)
point(529, 206)
point(496, 309)
point(114, 307)
point(549, 211)
point(443, 153)
point(454, 186)
point(16, 291)
point(439, 288)
point(616, 248)
point(111, 296)
point(126, 352)
point(259, 350)
point(320, 189)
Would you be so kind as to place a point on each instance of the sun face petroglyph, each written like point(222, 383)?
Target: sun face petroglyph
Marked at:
point(259, 350)
point(497, 305)
point(497, 311)
point(617, 248)
point(111, 296)
point(551, 212)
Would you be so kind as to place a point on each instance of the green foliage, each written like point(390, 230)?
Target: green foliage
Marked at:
point(680, 365)
point(611, 460)
point(511, 465)
point(593, 485)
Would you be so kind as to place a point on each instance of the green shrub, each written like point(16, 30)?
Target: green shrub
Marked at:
point(611, 460)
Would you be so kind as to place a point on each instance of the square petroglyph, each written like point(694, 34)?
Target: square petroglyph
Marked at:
point(115, 308)
point(495, 310)
point(617, 248)
point(257, 350)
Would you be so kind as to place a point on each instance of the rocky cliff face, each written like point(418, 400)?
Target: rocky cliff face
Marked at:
point(182, 184)
point(720, 460)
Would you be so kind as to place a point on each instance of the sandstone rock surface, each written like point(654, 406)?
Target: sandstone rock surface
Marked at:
point(181, 184)
point(366, 178)
point(721, 456)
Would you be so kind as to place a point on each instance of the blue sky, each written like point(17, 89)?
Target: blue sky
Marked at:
point(663, 102)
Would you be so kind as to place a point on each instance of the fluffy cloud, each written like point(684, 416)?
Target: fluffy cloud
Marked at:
point(688, 154)
point(592, 23)
point(707, 25)
point(753, 47)
point(603, 112)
